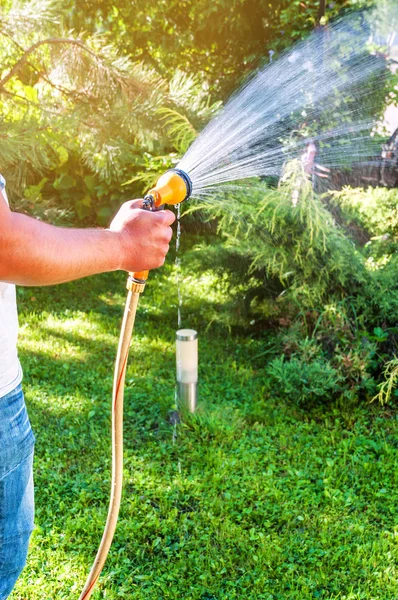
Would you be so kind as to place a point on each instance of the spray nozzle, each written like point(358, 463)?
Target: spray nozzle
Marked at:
point(172, 187)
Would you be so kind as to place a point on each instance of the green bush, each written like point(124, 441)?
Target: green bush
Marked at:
point(374, 209)
point(303, 382)
point(285, 239)
point(325, 357)
point(328, 303)
point(83, 126)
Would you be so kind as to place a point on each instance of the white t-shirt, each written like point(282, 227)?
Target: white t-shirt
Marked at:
point(10, 368)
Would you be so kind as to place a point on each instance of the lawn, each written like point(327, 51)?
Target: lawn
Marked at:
point(256, 499)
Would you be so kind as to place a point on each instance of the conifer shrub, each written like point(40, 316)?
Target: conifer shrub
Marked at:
point(286, 240)
point(297, 272)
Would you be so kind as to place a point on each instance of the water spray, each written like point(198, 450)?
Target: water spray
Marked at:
point(173, 187)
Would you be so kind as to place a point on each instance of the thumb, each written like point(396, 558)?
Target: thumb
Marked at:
point(136, 203)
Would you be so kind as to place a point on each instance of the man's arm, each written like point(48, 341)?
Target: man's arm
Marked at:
point(35, 253)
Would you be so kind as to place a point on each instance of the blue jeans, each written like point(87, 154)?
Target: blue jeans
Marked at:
point(16, 488)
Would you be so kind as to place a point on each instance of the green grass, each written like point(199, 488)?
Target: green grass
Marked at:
point(256, 500)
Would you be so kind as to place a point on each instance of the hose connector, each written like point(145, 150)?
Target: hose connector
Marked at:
point(135, 285)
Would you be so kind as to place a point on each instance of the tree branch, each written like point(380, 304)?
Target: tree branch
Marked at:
point(45, 109)
point(25, 101)
point(29, 51)
point(43, 74)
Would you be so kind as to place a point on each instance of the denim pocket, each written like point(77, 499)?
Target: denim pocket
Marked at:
point(16, 435)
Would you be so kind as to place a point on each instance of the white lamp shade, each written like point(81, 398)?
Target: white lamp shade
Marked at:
point(187, 356)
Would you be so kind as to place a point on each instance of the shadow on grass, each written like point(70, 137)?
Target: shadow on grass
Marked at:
point(103, 297)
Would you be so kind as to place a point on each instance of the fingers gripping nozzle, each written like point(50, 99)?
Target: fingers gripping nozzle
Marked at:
point(173, 187)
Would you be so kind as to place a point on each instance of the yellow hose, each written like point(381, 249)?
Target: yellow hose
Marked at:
point(117, 443)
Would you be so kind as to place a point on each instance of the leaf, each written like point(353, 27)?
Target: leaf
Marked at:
point(104, 214)
point(179, 128)
point(63, 155)
point(90, 182)
point(86, 201)
point(64, 182)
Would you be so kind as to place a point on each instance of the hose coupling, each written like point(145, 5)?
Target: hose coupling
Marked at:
point(135, 285)
point(148, 203)
point(151, 200)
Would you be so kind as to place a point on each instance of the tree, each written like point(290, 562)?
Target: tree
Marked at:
point(78, 113)
point(222, 41)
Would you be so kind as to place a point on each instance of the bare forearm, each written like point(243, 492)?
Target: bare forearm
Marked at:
point(35, 253)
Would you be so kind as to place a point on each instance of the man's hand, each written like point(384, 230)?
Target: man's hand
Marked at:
point(144, 236)
point(35, 253)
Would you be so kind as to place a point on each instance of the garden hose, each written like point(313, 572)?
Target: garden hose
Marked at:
point(172, 188)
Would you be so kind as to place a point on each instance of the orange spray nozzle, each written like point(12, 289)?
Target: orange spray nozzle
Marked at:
point(172, 187)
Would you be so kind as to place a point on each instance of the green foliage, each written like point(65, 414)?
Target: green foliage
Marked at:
point(374, 209)
point(326, 358)
point(373, 212)
point(387, 387)
point(221, 41)
point(292, 269)
point(303, 382)
point(119, 102)
point(179, 129)
point(379, 301)
point(76, 112)
point(288, 235)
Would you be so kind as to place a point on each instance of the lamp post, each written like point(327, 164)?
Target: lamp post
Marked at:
point(187, 367)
